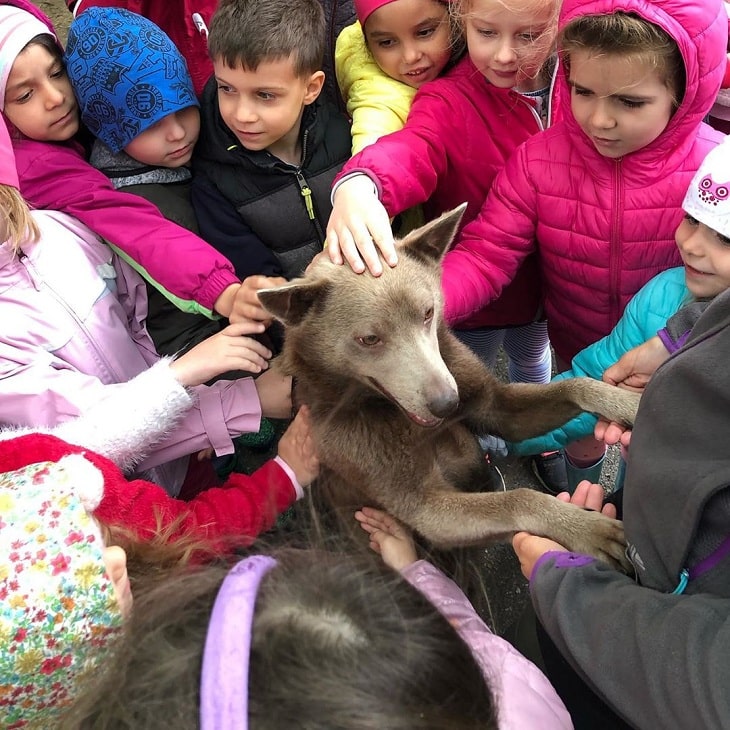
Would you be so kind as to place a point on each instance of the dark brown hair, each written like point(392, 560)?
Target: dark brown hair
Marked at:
point(338, 642)
point(627, 35)
point(249, 32)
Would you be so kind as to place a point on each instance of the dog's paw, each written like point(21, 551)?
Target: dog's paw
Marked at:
point(599, 536)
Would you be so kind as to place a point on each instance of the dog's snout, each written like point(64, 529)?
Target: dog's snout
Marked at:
point(444, 403)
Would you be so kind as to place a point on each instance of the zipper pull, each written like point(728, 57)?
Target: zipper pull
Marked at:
point(200, 25)
point(307, 193)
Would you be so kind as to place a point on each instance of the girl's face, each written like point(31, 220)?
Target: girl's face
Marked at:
point(39, 100)
point(410, 40)
point(706, 257)
point(502, 46)
point(622, 105)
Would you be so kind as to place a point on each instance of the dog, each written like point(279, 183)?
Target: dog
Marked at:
point(396, 401)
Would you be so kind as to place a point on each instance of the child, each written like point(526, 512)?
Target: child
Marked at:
point(269, 146)
point(394, 48)
point(74, 329)
point(144, 153)
point(670, 668)
point(461, 129)
point(37, 101)
point(362, 646)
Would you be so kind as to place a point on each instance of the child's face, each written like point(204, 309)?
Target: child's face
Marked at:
point(115, 562)
point(502, 44)
point(169, 142)
point(410, 40)
point(622, 105)
point(263, 108)
point(706, 257)
point(39, 100)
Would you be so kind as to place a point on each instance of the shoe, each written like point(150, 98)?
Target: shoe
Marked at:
point(550, 470)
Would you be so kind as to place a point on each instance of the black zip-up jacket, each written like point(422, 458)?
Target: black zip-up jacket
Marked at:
point(251, 205)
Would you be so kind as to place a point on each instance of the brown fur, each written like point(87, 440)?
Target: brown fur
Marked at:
point(396, 400)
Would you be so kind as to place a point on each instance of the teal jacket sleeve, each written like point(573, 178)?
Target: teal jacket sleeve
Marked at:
point(646, 313)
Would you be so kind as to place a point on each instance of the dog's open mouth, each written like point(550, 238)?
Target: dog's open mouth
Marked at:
point(431, 422)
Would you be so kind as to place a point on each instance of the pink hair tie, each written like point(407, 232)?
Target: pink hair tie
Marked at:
point(224, 680)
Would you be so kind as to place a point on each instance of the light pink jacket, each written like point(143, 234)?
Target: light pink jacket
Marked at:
point(523, 695)
point(602, 227)
point(73, 329)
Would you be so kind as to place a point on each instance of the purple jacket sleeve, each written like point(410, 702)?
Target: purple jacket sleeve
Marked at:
point(524, 696)
point(491, 248)
point(129, 223)
point(661, 659)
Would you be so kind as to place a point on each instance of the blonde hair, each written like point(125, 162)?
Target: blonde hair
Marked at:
point(631, 37)
point(542, 46)
point(17, 224)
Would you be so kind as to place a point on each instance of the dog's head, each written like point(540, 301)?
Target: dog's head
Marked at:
point(381, 331)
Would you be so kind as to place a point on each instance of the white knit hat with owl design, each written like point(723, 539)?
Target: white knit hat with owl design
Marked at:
point(708, 196)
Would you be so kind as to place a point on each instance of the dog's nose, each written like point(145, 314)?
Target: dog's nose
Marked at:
point(444, 404)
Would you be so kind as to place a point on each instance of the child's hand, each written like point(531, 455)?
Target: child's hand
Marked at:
point(296, 448)
point(221, 352)
point(388, 537)
point(358, 224)
point(274, 391)
point(247, 305)
point(530, 548)
point(636, 367)
point(611, 433)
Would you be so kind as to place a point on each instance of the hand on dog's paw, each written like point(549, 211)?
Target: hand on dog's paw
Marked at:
point(601, 537)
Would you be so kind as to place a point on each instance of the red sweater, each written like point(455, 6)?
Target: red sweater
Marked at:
point(231, 515)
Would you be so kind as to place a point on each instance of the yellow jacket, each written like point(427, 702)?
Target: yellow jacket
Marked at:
point(377, 104)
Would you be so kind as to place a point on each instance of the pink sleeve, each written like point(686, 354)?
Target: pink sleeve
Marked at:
point(490, 249)
point(407, 165)
point(55, 177)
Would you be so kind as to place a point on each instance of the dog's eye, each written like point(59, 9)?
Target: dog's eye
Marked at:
point(369, 340)
point(428, 316)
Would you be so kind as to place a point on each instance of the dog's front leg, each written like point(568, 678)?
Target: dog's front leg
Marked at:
point(458, 519)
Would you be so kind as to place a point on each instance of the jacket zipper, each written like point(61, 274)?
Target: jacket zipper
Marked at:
point(306, 191)
point(614, 297)
point(39, 283)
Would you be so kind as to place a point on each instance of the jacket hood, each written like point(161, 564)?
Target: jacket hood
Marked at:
point(35, 12)
point(699, 27)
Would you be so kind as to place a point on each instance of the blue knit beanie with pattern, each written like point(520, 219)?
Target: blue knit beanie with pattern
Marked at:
point(126, 74)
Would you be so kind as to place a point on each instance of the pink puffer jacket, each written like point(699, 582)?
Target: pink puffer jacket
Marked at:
point(601, 227)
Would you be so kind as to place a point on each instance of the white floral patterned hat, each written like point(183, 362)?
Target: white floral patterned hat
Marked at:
point(58, 611)
point(708, 196)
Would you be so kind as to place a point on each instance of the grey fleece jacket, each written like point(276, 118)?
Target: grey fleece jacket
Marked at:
point(661, 659)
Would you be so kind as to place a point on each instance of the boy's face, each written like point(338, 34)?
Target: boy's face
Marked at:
point(169, 142)
point(706, 257)
point(621, 104)
point(263, 108)
point(39, 100)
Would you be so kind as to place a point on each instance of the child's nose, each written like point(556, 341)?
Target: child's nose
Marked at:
point(601, 117)
point(175, 130)
point(505, 52)
point(53, 96)
point(411, 52)
point(245, 112)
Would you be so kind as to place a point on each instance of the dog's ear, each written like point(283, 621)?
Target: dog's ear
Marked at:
point(290, 302)
point(430, 242)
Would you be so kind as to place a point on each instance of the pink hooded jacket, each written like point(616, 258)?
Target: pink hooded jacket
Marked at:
point(55, 176)
point(459, 133)
point(602, 227)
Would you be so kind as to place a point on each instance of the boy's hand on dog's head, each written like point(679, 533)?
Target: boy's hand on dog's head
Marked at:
point(388, 537)
point(296, 448)
point(359, 226)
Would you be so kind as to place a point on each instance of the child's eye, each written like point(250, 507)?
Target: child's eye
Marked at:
point(487, 33)
point(386, 43)
point(527, 37)
point(266, 95)
point(724, 240)
point(632, 103)
point(425, 32)
point(24, 97)
point(578, 91)
point(692, 221)
point(58, 72)
point(225, 89)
